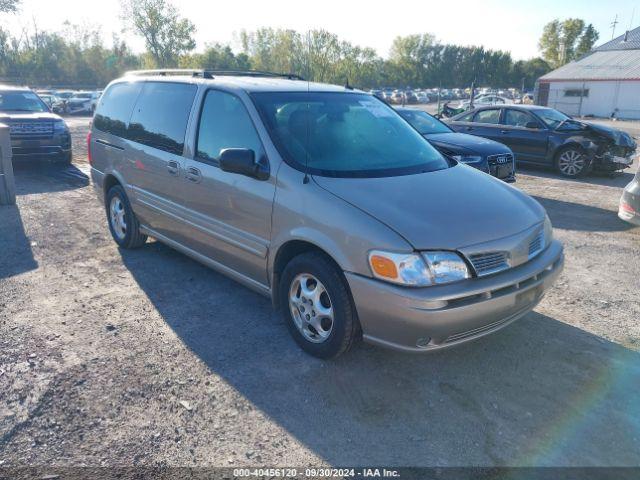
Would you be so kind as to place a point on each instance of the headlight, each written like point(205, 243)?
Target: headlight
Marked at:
point(548, 231)
point(60, 127)
point(446, 267)
point(412, 269)
point(467, 158)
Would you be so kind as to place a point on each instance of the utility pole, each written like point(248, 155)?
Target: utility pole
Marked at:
point(613, 27)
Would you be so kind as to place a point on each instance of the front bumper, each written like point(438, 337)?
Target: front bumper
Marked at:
point(54, 147)
point(612, 161)
point(431, 318)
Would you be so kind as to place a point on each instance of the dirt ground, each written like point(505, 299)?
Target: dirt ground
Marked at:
point(119, 358)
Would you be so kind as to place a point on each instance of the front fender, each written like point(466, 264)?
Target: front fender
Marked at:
point(307, 212)
point(586, 144)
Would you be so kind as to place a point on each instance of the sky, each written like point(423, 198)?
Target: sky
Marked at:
point(513, 26)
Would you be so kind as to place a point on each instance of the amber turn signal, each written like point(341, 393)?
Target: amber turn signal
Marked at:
point(384, 267)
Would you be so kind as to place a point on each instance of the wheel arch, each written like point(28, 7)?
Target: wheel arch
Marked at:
point(285, 253)
point(111, 179)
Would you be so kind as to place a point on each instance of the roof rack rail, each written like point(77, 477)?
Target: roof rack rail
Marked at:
point(213, 73)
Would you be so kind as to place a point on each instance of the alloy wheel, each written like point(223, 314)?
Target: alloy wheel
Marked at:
point(311, 308)
point(571, 163)
point(117, 217)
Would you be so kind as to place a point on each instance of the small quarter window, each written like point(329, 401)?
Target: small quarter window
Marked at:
point(115, 107)
point(488, 116)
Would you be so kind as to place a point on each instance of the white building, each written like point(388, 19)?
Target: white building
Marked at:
point(604, 83)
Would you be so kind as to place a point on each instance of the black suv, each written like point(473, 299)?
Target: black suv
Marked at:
point(36, 132)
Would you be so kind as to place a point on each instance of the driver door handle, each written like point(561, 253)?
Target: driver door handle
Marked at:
point(504, 131)
point(173, 167)
point(193, 175)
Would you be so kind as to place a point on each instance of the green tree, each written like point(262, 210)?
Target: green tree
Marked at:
point(526, 72)
point(563, 42)
point(9, 6)
point(588, 39)
point(217, 57)
point(408, 57)
point(167, 36)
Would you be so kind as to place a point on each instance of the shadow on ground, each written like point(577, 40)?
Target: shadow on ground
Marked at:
point(16, 255)
point(575, 216)
point(48, 177)
point(620, 179)
point(540, 392)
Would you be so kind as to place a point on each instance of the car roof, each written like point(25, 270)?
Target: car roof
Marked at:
point(514, 105)
point(14, 88)
point(247, 83)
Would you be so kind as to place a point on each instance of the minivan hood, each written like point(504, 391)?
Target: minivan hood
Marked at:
point(446, 209)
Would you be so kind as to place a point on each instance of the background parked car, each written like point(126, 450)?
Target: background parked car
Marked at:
point(484, 100)
point(544, 136)
point(629, 209)
point(36, 133)
point(378, 94)
point(83, 102)
point(491, 157)
point(55, 104)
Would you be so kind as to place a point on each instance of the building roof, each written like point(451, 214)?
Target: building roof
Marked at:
point(600, 65)
point(628, 41)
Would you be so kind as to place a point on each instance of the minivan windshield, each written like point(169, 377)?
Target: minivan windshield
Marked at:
point(344, 135)
point(21, 101)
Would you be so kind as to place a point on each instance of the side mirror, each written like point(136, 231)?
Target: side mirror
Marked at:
point(533, 125)
point(243, 162)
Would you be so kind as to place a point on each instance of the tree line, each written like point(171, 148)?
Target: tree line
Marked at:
point(78, 56)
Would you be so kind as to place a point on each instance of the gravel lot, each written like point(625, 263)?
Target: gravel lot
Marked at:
point(145, 357)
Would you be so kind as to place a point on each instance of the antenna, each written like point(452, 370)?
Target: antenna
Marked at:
point(633, 14)
point(613, 27)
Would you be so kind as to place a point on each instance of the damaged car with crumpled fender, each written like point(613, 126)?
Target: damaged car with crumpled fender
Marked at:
point(547, 137)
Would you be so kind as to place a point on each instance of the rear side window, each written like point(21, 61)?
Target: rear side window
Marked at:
point(487, 116)
point(517, 118)
point(160, 116)
point(115, 107)
point(225, 123)
point(465, 118)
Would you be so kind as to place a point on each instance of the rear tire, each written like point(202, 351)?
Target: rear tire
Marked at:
point(317, 307)
point(123, 224)
point(572, 162)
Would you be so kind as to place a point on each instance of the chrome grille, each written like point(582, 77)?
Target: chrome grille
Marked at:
point(536, 245)
point(490, 262)
point(31, 129)
point(500, 159)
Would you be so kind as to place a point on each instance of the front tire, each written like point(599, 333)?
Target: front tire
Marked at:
point(123, 224)
point(317, 306)
point(572, 162)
